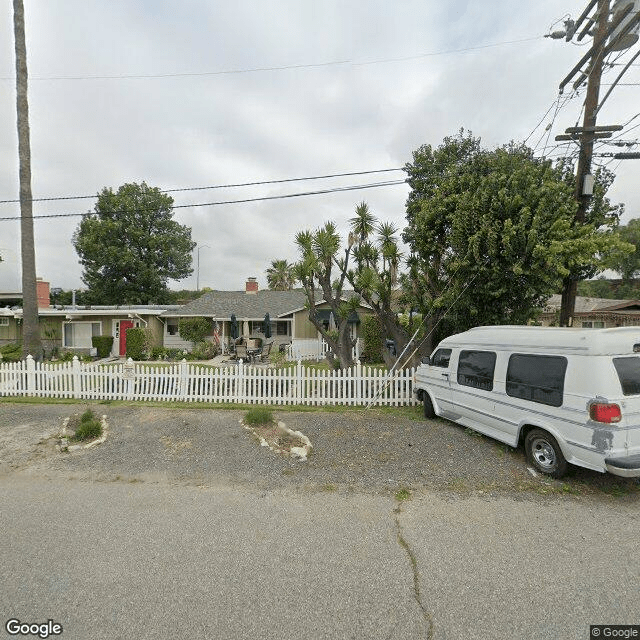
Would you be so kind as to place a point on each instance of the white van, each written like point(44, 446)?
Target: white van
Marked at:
point(570, 395)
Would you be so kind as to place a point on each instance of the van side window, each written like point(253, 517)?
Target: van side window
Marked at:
point(441, 358)
point(536, 378)
point(475, 369)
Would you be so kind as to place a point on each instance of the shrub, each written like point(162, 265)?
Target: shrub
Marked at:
point(204, 351)
point(90, 427)
point(372, 337)
point(158, 353)
point(278, 358)
point(194, 329)
point(174, 354)
point(103, 344)
point(138, 343)
point(259, 415)
point(11, 352)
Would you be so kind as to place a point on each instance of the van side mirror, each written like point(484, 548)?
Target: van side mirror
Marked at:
point(426, 360)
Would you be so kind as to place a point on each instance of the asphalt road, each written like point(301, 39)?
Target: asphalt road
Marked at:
point(173, 530)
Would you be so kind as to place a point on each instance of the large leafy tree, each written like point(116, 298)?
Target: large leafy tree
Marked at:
point(280, 276)
point(628, 265)
point(131, 246)
point(491, 234)
point(322, 270)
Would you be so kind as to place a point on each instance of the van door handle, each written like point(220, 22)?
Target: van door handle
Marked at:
point(444, 375)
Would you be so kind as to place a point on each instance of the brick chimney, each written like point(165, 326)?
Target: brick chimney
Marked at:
point(252, 285)
point(42, 289)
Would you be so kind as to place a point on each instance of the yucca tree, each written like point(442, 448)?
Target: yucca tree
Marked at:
point(363, 223)
point(280, 276)
point(378, 260)
point(319, 255)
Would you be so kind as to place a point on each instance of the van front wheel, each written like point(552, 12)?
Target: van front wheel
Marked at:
point(429, 411)
point(544, 453)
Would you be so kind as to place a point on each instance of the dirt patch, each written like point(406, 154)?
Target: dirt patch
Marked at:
point(280, 439)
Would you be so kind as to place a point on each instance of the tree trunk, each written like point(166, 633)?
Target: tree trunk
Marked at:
point(30, 329)
point(568, 301)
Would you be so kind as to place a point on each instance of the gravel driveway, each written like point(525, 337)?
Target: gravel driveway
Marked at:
point(376, 451)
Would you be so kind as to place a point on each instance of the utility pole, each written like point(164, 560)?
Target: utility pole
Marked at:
point(200, 246)
point(583, 190)
point(31, 343)
point(617, 35)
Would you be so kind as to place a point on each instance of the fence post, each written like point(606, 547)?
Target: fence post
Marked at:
point(240, 382)
point(298, 392)
point(77, 384)
point(31, 376)
point(184, 379)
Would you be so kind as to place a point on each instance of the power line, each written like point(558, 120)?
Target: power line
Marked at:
point(280, 68)
point(223, 186)
point(223, 202)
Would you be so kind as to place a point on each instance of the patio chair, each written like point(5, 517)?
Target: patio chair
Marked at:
point(266, 350)
point(241, 352)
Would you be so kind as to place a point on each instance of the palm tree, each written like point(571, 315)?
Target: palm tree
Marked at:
point(280, 276)
point(31, 343)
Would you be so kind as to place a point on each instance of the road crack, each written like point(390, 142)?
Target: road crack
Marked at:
point(416, 575)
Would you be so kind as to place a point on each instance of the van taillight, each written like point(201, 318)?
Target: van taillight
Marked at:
point(601, 412)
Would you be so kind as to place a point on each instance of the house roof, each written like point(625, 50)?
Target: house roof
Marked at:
point(246, 306)
point(102, 310)
point(594, 305)
point(219, 305)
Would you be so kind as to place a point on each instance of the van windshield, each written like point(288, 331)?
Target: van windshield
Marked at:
point(629, 373)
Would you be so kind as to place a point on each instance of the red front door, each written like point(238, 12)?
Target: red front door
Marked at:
point(124, 325)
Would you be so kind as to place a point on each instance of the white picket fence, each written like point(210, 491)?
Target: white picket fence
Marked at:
point(184, 382)
point(315, 348)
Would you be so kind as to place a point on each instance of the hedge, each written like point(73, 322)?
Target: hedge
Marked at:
point(103, 344)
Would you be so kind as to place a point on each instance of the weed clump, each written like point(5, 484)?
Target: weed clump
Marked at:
point(89, 428)
point(259, 415)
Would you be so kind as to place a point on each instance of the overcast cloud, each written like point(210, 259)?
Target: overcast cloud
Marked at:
point(189, 131)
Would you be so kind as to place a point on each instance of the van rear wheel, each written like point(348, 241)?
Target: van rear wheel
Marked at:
point(429, 411)
point(544, 453)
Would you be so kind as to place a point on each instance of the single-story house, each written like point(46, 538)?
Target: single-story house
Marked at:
point(72, 327)
point(289, 318)
point(594, 313)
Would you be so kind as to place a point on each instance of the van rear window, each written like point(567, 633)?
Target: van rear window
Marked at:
point(628, 370)
point(536, 378)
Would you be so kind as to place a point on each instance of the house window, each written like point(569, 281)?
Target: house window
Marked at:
point(475, 369)
point(172, 327)
point(589, 324)
point(4, 322)
point(283, 328)
point(536, 378)
point(77, 335)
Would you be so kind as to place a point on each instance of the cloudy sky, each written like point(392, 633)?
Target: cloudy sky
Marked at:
point(201, 93)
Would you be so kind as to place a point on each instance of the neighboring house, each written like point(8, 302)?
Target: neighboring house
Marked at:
point(594, 313)
point(290, 324)
point(72, 327)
